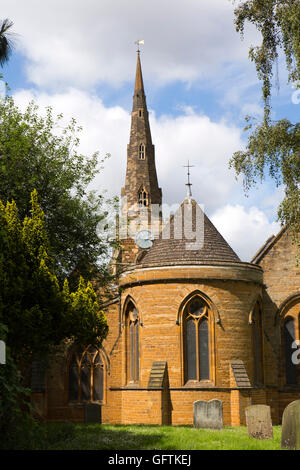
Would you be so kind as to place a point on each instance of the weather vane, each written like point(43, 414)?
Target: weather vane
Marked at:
point(188, 184)
point(139, 42)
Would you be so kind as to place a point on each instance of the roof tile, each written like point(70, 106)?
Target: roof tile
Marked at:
point(195, 227)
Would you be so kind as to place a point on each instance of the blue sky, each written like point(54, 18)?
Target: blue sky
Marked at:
point(199, 83)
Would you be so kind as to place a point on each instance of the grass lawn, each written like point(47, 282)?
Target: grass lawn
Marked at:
point(98, 437)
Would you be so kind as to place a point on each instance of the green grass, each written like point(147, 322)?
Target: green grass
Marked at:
point(97, 437)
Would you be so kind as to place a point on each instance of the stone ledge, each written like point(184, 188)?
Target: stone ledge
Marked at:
point(185, 389)
point(240, 374)
point(240, 272)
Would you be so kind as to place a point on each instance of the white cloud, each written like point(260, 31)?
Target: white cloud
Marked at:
point(104, 129)
point(71, 46)
point(245, 230)
point(208, 145)
point(77, 43)
point(273, 200)
point(192, 136)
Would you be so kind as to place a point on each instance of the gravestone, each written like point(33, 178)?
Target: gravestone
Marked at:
point(208, 414)
point(2, 352)
point(259, 422)
point(290, 437)
point(92, 413)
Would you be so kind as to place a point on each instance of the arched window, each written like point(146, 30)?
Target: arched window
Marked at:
point(289, 314)
point(142, 152)
point(289, 336)
point(143, 198)
point(257, 345)
point(132, 343)
point(196, 331)
point(86, 375)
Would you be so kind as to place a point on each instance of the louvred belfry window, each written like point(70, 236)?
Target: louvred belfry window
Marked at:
point(86, 375)
point(143, 198)
point(132, 344)
point(196, 341)
point(142, 152)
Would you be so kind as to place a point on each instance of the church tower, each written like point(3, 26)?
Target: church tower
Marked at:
point(141, 186)
point(141, 197)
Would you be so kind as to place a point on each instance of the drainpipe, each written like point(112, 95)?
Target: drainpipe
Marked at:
point(120, 317)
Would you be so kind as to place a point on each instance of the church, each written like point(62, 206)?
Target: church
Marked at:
point(188, 319)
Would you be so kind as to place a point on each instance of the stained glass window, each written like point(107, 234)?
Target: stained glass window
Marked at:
point(196, 341)
point(86, 375)
point(132, 344)
point(203, 349)
point(289, 337)
point(191, 349)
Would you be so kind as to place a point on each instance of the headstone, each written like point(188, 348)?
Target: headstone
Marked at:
point(92, 413)
point(2, 352)
point(290, 437)
point(208, 414)
point(259, 421)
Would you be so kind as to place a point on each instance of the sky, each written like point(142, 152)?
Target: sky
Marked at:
point(80, 58)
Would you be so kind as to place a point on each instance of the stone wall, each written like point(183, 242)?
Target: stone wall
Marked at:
point(282, 282)
point(159, 303)
point(159, 296)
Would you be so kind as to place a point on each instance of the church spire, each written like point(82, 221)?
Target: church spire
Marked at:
point(139, 84)
point(141, 186)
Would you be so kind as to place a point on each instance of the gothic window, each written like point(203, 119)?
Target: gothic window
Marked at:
point(289, 336)
point(142, 152)
point(257, 345)
point(196, 340)
point(143, 198)
point(140, 113)
point(86, 375)
point(132, 344)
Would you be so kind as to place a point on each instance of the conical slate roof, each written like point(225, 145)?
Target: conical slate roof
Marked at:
point(189, 238)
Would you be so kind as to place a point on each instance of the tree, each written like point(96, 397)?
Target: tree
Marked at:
point(273, 146)
point(6, 44)
point(41, 153)
point(37, 313)
point(13, 400)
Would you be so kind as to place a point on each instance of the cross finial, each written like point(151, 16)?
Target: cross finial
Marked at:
point(188, 184)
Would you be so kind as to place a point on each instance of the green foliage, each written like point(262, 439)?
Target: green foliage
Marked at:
point(41, 153)
point(273, 147)
point(85, 312)
point(37, 312)
point(36, 315)
point(32, 435)
point(13, 396)
point(279, 24)
point(6, 44)
point(64, 436)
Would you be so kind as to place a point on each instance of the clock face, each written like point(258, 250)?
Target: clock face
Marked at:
point(144, 239)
